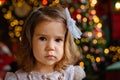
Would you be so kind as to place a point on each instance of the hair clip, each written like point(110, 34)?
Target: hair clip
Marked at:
point(71, 25)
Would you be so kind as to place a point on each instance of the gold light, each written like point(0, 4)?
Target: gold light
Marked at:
point(0, 3)
point(117, 5)
point(94, 41)
point(84, 19)
point(78, 16)
point(99, 34)
point(81, 64)
point(96, 19)
point(99, 25)
point(106, 51)
point(93, 12)
point(89, 34)
point(97, 59)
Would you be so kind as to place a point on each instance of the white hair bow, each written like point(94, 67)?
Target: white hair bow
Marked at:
point(71, 25)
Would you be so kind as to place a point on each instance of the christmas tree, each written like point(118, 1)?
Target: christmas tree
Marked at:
point(92, 42)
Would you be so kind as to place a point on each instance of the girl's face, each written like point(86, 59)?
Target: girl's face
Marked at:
point(48, 43)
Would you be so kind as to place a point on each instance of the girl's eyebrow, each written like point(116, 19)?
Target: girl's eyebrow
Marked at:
point(43, 34)
point(40, 34)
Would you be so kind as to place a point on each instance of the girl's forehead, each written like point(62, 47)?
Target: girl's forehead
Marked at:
point(50, 26)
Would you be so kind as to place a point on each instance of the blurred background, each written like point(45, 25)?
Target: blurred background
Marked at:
point(99, 20)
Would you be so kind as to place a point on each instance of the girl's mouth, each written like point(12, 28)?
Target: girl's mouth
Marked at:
point(50, 57)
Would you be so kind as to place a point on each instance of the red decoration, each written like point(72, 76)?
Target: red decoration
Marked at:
point(3, 1)
point(116, 26)
point(101, 9)
point(5, 60)
point(44, 2)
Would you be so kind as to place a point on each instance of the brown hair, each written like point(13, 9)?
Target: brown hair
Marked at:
point(25, 56)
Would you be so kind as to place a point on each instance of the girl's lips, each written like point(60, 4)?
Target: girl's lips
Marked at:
point(50, 57)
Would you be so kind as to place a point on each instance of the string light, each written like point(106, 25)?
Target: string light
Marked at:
point(81, 64)
point(84, 19)
point(92, 59)
point(56, 1)
point(99, 34)
point(117, 5)
point(77, 41)
point(78, 16)
point(88, 56)
point(106, 51)
point(97, 59)
point(94, 41)
point(93, 2)
point(96, 19)
point(82, 7)
point(89, 34)
point(44, 2)
point(93, 12)
point(99, 25)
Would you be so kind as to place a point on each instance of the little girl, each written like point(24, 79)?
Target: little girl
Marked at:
point(48, 47)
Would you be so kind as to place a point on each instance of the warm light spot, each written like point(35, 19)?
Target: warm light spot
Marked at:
point(15, 22)
point(112, 48)
point(93, 12)
point(118, 51)
point(117, 5)
point(77, 41)
point(78, 16)
point(82, 7)
point(96, 19)
point(97, 59)
point(18, 28)
point(84, 19)
point(56, 1)
point(91, 22)
point(106, 51)
point(0, 3)
point(19, 4)
point(93, 1)
point(81, 64)
point(92, 59)
point(85, 48)
point(89, 34)
point(83, 39)
point(94, 41)
point(21, 22)
point(99, 34)
point(11, 34)
point(44, 2)
point(17, 34)
point(88, 56)
point(12, 24)
point(8, 15)
point(71, 9)
point(99, 25)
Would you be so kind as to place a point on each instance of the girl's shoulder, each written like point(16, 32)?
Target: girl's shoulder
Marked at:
point(15, 76)
point(10, 76)
point(76, 71)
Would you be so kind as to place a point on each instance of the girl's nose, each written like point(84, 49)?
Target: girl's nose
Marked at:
point(50, 45)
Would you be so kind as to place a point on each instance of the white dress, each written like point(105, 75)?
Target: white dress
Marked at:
point(71, 73)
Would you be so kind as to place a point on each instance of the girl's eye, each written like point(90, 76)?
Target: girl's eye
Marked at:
point(58, 40)
point(42, 38)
